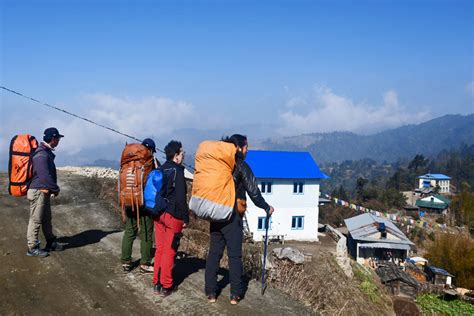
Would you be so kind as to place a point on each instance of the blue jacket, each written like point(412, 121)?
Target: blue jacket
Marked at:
point(44, 170)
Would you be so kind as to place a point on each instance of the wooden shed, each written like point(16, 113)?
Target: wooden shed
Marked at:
point(399, 282)
point(438, 276)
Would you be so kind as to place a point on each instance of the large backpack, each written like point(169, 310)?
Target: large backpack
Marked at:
point(156, 190)
point(135, 165)
point(213, 194)
point(20, 167)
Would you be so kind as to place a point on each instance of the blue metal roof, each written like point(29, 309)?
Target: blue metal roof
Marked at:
point(283, 165)
point(434, 176)
point(439, 271)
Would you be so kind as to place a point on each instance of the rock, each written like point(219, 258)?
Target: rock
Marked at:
point(91, 172)
point(292, 254)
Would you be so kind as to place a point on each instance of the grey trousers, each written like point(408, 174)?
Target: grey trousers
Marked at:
point(40, 216)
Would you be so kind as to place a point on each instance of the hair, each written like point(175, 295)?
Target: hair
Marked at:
point(173, 148)
point(236, 139)
point(47, 139)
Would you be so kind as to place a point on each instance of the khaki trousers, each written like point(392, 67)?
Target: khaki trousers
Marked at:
point(40, 216)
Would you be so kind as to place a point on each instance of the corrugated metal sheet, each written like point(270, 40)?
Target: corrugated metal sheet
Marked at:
point(283, 165)
point(434, 176)
point(385, 245)
point(364, 225)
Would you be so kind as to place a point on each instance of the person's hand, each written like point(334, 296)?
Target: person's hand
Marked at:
point(271, 210)
point(184, 225)
point(45, 191)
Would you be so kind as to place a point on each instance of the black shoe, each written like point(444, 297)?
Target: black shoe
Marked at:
point(127, 267)
point(157, 289)
point(211, 298)
point(54, 246)
point(235, 299)
point(165, 292)
point(37, 252)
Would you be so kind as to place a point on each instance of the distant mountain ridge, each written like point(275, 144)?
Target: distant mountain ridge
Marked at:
point(428, 138)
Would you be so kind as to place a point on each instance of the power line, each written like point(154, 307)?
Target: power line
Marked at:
point(78, 116)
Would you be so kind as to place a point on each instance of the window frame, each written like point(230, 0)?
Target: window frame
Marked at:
point(299, 186)
point(295, 218)
point(262, 218)
point(265, 185)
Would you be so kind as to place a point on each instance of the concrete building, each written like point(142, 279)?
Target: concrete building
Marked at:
point(289, 181)
point(433, 180)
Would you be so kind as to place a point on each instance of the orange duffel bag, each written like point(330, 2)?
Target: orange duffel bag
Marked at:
point(20, 167)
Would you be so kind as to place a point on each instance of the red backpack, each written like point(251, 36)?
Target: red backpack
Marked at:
point(20, 167)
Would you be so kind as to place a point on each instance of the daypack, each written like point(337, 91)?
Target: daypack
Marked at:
point(20, 167)
point(156, 190)
point(213, 193)
point(135, 165)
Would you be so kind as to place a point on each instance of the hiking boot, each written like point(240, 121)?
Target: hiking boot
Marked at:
point(127, 267)
point(211, 298)
point(146, 268)
point(53, 246)
point(37, 252)
point(157, 289)
point(234, 299)
point(166, 292)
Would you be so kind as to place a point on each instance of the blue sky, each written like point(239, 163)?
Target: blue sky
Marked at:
point(290, 66)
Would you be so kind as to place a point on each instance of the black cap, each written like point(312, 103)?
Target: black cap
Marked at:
point(150, 144)
point(50, 133)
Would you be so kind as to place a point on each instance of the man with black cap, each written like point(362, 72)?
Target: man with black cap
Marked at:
point(43, 185)
point(146, 232)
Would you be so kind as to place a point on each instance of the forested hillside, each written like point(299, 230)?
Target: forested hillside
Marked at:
point(430, 138)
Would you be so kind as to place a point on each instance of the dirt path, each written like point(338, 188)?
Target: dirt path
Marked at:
point(86, 278)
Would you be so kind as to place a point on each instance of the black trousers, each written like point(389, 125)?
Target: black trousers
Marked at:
point(225, 234)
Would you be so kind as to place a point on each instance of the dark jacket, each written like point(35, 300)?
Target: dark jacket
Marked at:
point(176, 191)
point(245, 182)
point(44, 170)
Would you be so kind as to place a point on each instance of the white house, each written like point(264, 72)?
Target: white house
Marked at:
point(289, 181)
point(434, 179)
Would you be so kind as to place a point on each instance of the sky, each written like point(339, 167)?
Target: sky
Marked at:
point(262, 68)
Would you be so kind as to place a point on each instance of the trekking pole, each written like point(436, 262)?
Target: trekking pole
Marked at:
point(267, 220)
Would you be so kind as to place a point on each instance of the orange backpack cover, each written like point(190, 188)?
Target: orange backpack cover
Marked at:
point(20, 167)
point(135, 165)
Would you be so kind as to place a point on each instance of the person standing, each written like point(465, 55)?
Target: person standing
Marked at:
point(169, 224)
point(230, 233)
point(43, 185)
point(131, 231)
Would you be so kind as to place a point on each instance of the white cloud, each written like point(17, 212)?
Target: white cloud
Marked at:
point(141, 118)
point(328, 112)
point(470, 88)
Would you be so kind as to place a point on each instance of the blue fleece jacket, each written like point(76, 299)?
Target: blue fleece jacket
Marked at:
point(44, 170)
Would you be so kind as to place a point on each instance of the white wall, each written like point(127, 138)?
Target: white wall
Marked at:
point(286, 206)
point(443, 184)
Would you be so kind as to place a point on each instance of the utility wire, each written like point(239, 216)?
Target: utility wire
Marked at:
point(79, 117)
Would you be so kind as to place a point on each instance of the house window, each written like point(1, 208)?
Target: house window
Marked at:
point(266, 187)
point(261, 223)
point(298, 187)
point(297, 222)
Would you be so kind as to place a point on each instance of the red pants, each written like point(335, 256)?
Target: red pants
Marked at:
point(166, 227)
